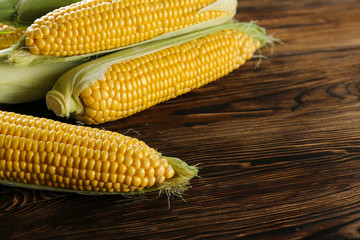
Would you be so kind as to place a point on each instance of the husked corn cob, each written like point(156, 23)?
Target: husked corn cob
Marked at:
point(136, 84)
point(47, 154)
point(9, 35)
point(96, 25)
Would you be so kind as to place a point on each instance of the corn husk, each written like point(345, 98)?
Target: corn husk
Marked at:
point(7, 11)
point(22, 56)
point(21, 84)
point(64, 99)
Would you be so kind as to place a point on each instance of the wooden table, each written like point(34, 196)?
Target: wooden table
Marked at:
point(279, 146)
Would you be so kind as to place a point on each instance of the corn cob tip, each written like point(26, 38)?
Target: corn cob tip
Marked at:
point(178, 184)
point(57, 102)
point(54, 105)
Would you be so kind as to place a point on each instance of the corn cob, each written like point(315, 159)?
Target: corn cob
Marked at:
point(46, 154)
point(121, 84)
point(98, 26)
point(9, 35)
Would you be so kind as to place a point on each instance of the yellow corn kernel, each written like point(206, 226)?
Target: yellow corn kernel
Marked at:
point(165, 74)
point(11, 36)
point(75, 166)
point(97, 25)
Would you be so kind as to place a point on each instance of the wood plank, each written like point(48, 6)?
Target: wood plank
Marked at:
point(307, 26)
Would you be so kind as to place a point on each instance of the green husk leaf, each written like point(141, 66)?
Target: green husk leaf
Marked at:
point(7, 11)
point(64, 99)
point(22, 56)
point(173, 186)
point(21, 84)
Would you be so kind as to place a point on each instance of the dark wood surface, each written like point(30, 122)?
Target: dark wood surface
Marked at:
point(279, 146)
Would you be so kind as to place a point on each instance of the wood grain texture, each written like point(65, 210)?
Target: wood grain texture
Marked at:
point(279, 146)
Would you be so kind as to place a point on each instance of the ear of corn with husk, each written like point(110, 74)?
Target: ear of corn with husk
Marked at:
point(128, 81)
point(94, 27)
point(45, 154)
